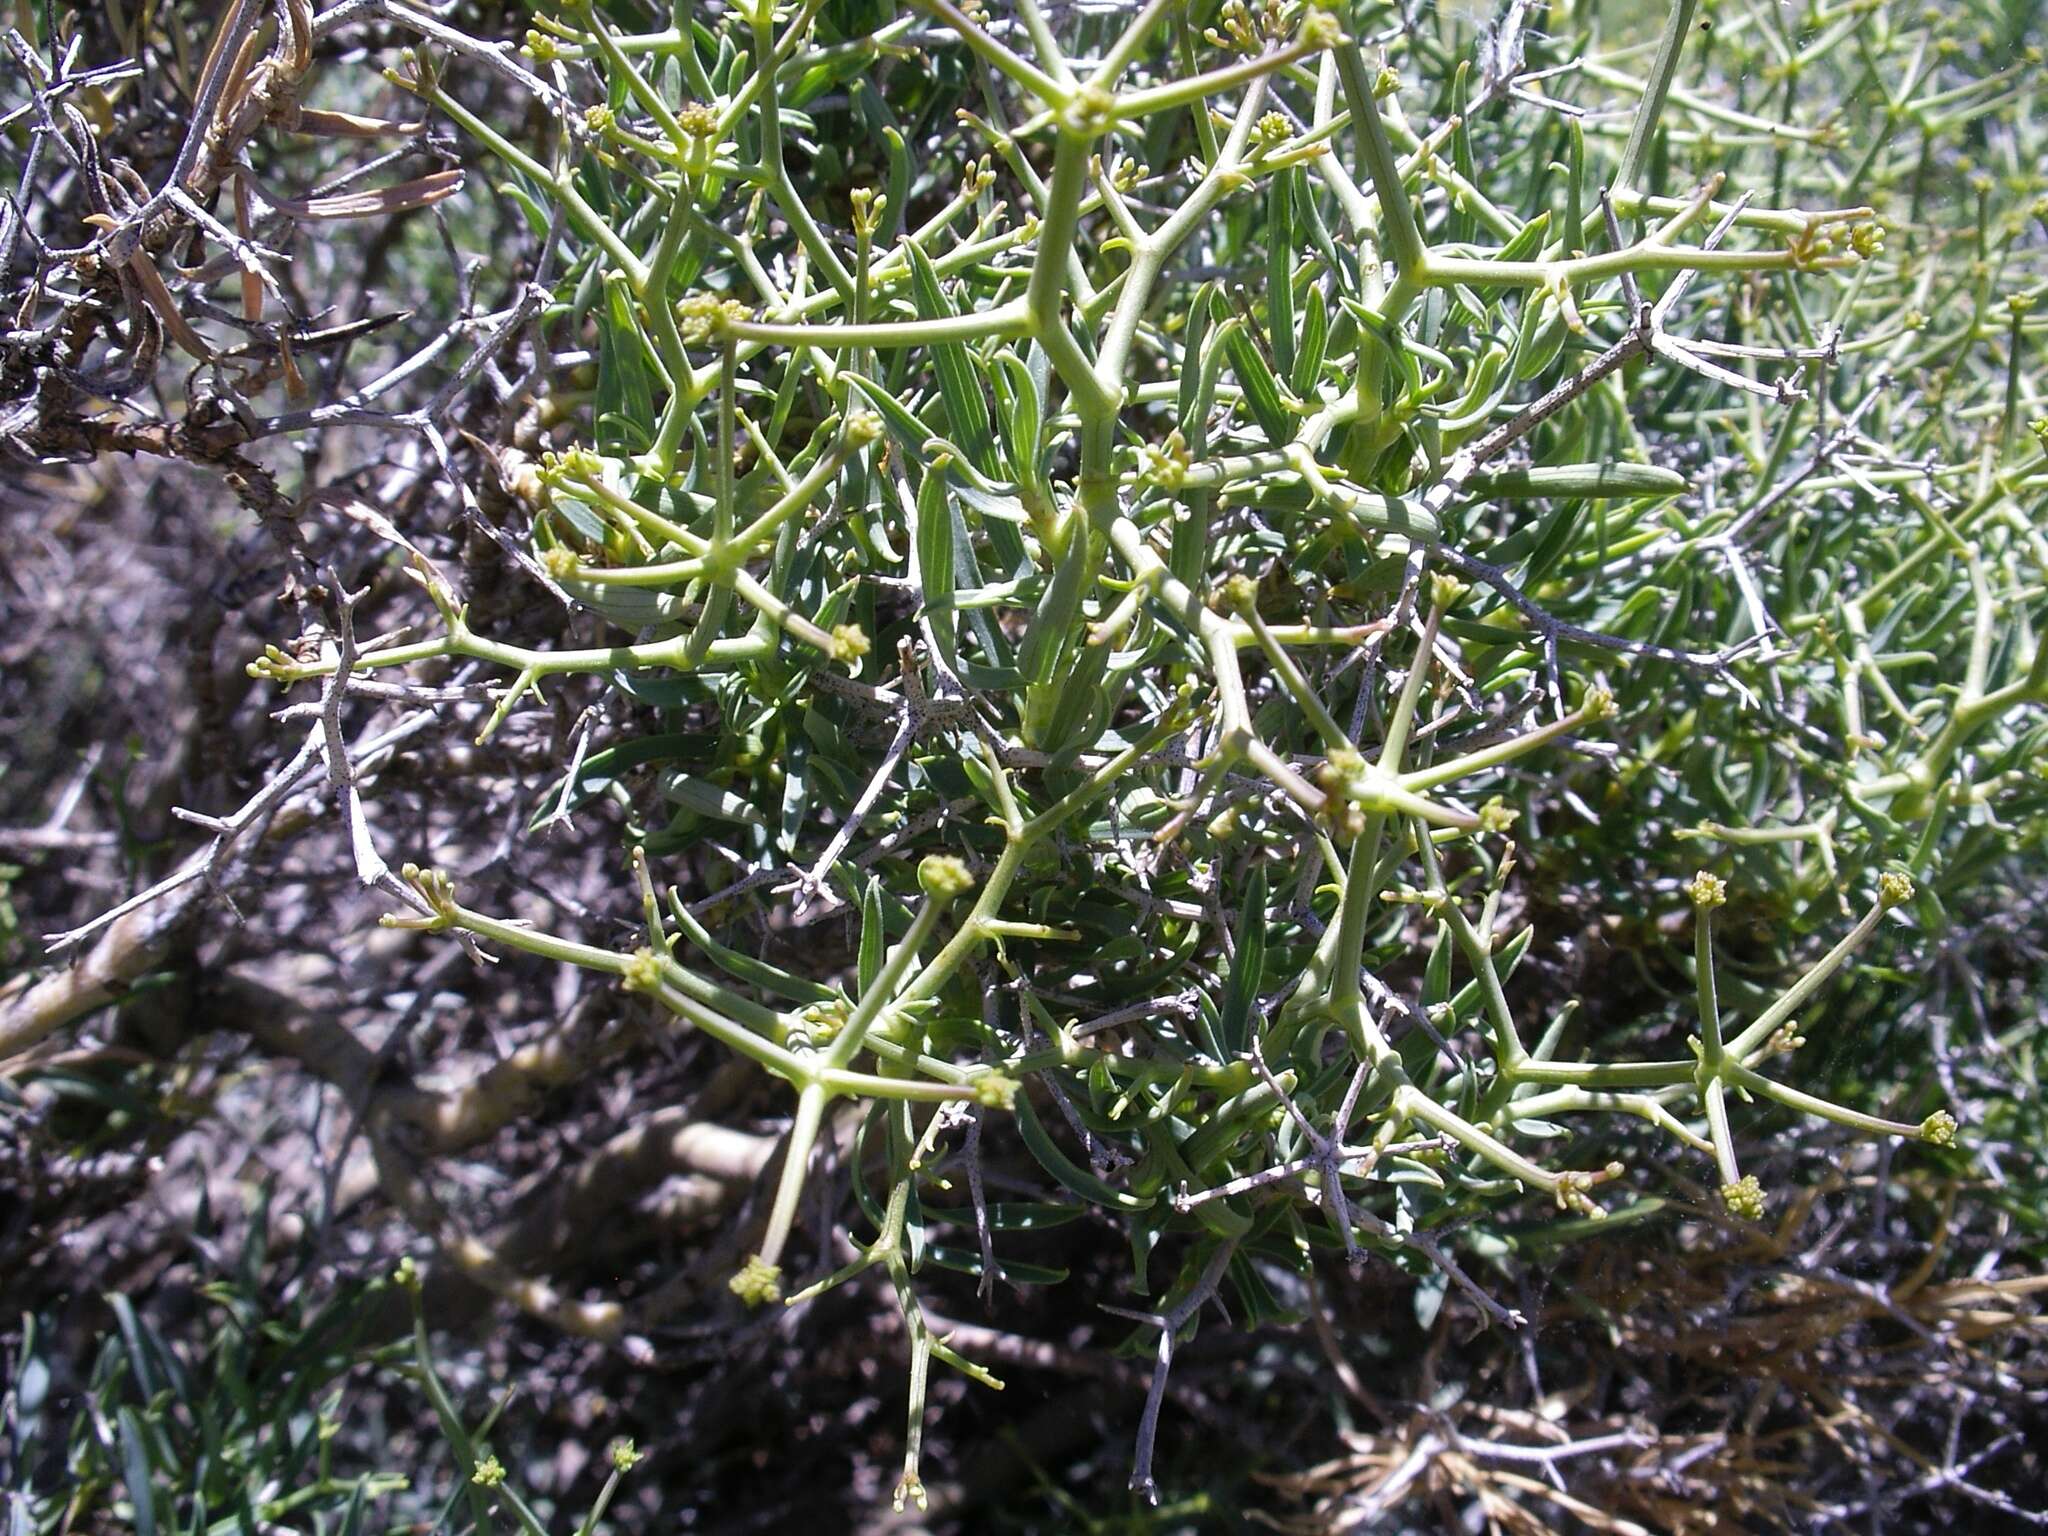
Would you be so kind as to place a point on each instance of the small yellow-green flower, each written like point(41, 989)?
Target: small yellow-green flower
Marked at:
point(642, 972)
point(697, 120)
point(489, 1473)
point(995, 1090)
point(1167, 465)
point(1320, 30)
point(1340, 768)
point(1939, 1129)
point(1237, 593)
point(624, 1457)
point(1707, 890)
point(826, 1018)
point(849, 642)
point(910, 1491)
point(1894, 889)
point(1744, 1198)
point(758, 1282)
point(706, 317)
point(944, 877)
point(1092, 111)
point(868, 208)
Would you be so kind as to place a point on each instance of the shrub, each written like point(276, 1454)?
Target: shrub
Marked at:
point(1161, 560)
point(1123, 533)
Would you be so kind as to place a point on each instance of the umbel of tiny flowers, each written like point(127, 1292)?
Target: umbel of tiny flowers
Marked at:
point(757, 1283)
point(910, 1490)
point(705, 317)
point(489, 1473)
point(1237, 593)
point(995, 1090)
point(944, 877)
point(642, 972)
point(1744, 1198)
point(849, 642)
point(436, 892)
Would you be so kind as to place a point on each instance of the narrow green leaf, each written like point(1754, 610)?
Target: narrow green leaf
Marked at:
point(135, 1472)
point(1529, 241)
point(967, 1261)
point(1058, 613)
point(745, 967)
point(1255, 378)
point(933, 564)
point(1575, 191)
point(1084, 706)
point(139, 1360)
point(1315, 337)
point(1577, 481)
point(908, 431)
point(1459, 227)
point(708, 799)
point(959, 386)
point(1242, 994)
point(1070, 1175)
point(1540, 336)
point(1023, 1215)
point(624, 394)
point(1281, 244)
point(874, 936)
point(1022, 423)
point(1196, 368)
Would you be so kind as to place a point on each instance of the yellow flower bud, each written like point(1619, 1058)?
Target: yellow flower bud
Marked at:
point(642, 972)
point(758, 1282)
point(995, 1090)
point(944, 878)
point(1744, 1198)
point(1939, 1129)
point(1707, 890)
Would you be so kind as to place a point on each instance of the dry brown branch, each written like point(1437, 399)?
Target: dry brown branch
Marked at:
point(1792, 1365)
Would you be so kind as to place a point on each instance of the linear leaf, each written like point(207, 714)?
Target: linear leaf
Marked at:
point(1070, 1175)
point(1242, 994)
point(959, 386)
